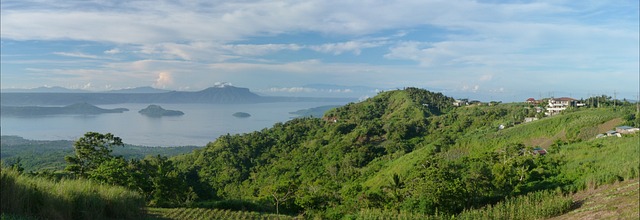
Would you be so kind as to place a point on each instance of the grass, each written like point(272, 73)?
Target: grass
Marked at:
point(614, 201)
point(601, 161)
point(541, 132)
point(66, 199)
point(536, 205)
point(207, 214)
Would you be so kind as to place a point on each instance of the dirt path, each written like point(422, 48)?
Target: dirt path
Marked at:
point(610, 125)
point(616, 201)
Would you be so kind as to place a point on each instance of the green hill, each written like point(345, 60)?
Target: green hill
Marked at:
point(406, 153)
point(392, 151)
point(157, 111)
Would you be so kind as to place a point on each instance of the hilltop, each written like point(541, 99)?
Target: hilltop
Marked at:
point(408, 153)
point(157, 111)
point(412, 139)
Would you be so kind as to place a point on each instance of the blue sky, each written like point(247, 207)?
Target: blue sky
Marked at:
point(500, 50)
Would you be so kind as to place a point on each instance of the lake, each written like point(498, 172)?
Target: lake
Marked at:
point(200, 124)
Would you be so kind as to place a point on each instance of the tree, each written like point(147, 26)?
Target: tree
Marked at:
point(113, 171)
point(395, 188)
point(282, 192)
point(90, 151)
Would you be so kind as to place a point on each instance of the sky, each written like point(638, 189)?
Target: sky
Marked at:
point(487, 49)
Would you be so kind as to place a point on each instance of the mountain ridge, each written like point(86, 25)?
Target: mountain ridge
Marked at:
point(213, 95)
point(73, 109)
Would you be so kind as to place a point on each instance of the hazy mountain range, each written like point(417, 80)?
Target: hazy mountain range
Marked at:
point(58, 89)
point(214, 95)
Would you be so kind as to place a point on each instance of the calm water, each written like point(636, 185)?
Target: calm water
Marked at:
point(200, 124)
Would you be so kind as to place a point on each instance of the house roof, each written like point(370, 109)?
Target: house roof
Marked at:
point(625, 127)
point(531, 99)
point(564, 99)
point(540, 150)
point(611, 132)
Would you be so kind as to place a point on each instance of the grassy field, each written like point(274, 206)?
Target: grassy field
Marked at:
point(35, 197)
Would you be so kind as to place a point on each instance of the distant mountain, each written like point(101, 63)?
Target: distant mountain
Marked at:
point(214, 95)
point(316, 112)
point(144, 89)
point(157, 111)
point(43, 89)
point(227, 94)
point(74, 109)
point(331, 87)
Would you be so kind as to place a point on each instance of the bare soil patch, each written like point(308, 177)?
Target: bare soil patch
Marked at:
point(615, 201)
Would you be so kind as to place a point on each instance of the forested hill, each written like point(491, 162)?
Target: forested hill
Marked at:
point(407, 150)
point(407, 154)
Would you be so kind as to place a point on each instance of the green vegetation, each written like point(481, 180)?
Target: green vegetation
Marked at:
point(316, 112)
point(402, 154)
point(614, 201)
point(157, 111)
point(206, 214)
point(48, 156)
point(92, 150)
point(66, 199)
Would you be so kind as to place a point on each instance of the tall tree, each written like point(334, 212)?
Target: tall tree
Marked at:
point(90, 151)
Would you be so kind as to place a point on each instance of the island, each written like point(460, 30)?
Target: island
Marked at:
point(241, 115)
point(74, 109)
point(157, 111)
point(316, 112)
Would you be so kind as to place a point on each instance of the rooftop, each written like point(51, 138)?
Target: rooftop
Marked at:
point(564, 99)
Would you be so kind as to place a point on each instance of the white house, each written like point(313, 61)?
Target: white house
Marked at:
point(557, 105)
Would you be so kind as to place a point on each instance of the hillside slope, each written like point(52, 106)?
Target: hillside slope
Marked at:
point(390, 151)
point(614, 201)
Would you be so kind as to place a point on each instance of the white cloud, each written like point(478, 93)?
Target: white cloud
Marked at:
point(290, 89)
point(305, 90)
point(199, 42)
point(76, 54)
point(164, 79)
point(257, 49)
point(355, 47)
point(113, 51)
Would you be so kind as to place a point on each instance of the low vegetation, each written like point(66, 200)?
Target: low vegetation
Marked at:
point(402, 154)
point(37, 197)
point(48, 156)
point(612, 201)
point(208, 214)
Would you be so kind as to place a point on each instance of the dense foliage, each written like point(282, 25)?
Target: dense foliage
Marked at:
point(48, 156)
point(409, 152)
